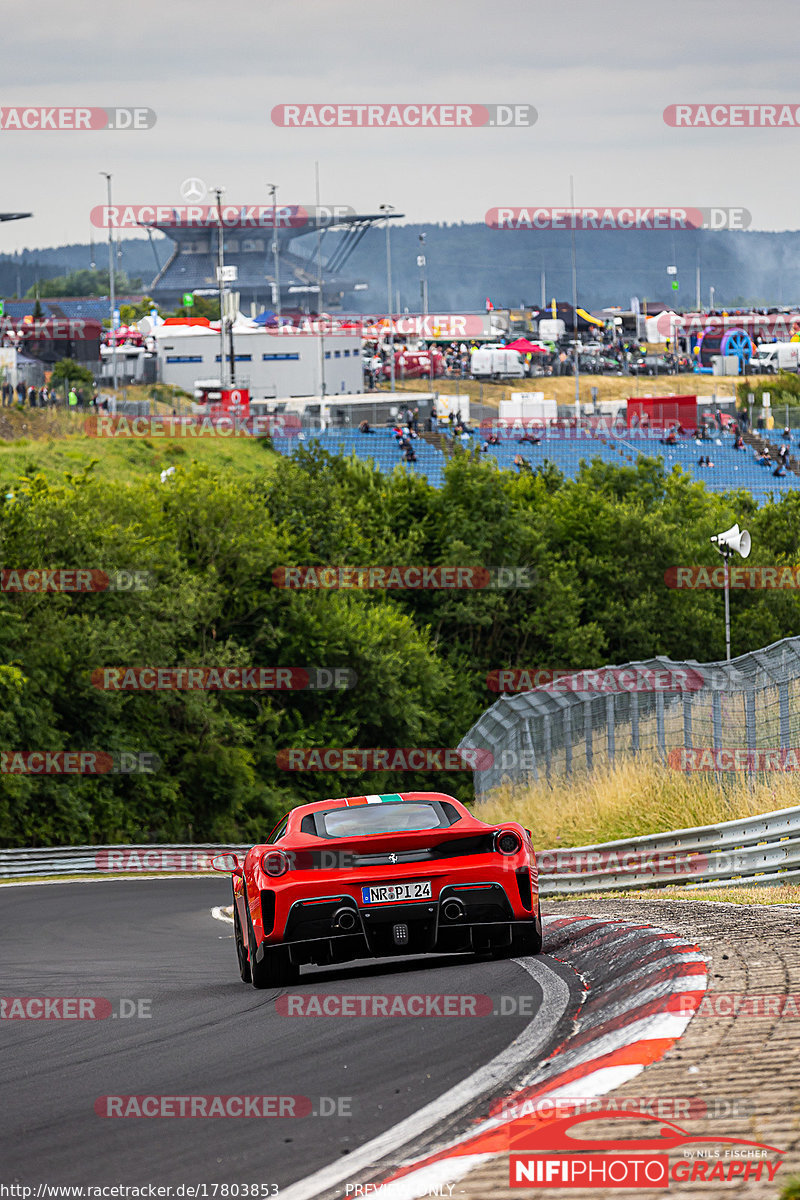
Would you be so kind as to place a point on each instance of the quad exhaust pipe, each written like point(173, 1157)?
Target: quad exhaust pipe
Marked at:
point(344, 919)
point(453, 910)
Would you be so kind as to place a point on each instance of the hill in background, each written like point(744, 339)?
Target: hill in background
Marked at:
point(469, 262)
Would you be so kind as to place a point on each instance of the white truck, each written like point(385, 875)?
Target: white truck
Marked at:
point(551, 329)
point(529, 407)
point(772, 357)
point(494, 363)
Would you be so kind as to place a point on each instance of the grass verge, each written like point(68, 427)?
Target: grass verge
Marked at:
point(787, 893)
point(610, 388)
point(55, 444)
point(632, 799)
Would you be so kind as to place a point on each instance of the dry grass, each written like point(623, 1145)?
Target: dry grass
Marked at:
point(629, 800)
point(35, 423)
point(787, 893)
point(610, 388)
point(45, 423)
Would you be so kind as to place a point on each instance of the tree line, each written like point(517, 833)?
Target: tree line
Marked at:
point(206, 546)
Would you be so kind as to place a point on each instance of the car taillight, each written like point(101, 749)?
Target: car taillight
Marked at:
point(274, 862)
point(508, 842)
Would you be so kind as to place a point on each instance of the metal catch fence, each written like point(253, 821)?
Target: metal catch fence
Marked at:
point(742, 716)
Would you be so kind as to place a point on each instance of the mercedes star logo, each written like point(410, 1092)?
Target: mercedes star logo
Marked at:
point(392, 858)
point(193, 189)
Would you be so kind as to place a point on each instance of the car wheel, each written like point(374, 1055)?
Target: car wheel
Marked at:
point(241, 949)
point(528, 935)
point(275, 969)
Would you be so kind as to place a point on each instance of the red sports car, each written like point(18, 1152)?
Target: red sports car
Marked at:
point(370, 876)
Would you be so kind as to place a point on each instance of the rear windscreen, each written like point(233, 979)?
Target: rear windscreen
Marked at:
point(365, 819)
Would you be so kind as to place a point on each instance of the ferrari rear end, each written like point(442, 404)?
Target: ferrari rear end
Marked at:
point(373, 876)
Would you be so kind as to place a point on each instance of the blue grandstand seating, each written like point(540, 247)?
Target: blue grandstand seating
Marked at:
point(732, 469)
point(381, 447)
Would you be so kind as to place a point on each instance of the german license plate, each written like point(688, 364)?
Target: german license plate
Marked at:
point(389, 892)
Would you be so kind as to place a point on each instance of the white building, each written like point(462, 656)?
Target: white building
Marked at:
point(269, 363)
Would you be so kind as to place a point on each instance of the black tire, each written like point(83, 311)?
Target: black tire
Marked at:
point(527, 935)
point(241, 948)
point(503, 951)
point(275, 970)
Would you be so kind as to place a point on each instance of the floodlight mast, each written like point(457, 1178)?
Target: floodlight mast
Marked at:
point(273, 187)
point(388, 209)
point(111, 284)
point(221, 287)
point(732, 541)
point(576, 365)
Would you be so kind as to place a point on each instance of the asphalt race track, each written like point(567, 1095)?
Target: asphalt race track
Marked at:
point(209, 1034)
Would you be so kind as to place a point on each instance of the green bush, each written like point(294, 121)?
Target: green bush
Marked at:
point(66, 370)
point(783, 389)
point(595, 550)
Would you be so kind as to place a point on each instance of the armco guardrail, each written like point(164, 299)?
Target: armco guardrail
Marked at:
point(111, 860)
point(758, 851)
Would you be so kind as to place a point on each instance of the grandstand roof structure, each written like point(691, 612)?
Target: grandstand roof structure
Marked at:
point(248, 247)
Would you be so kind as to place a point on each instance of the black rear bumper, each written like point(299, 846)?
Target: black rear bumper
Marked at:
point(484, 921)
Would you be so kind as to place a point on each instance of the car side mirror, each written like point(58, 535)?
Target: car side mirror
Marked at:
point(227, 864)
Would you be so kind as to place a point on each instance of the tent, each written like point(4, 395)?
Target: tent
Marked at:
point(525, 347)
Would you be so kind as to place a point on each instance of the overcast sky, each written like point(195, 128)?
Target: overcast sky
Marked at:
point(598, 73)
